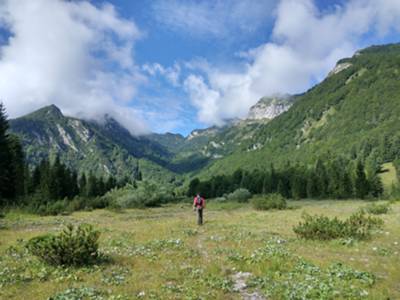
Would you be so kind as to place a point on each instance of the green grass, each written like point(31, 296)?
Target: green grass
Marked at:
point(161, 253)
point(388, 176)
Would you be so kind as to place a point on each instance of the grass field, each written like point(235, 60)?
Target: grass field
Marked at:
point(388, 176)
point(161, 253)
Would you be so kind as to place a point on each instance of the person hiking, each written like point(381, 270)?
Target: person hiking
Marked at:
point(199, 204)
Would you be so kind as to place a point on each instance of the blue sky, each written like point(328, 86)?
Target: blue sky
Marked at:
point(177, 65)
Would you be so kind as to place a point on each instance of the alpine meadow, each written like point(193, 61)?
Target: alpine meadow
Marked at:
point(199, 149)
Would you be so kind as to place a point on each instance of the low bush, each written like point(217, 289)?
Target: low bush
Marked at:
point(271, 201)
point(220, 199)
point(74, 246)
point(240, 195)
point(357, 226)
point(67, 206)
point(377, 209)
point(146, 194)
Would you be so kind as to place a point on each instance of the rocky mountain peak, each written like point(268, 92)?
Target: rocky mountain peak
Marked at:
point(270, 107)
point(47, 112)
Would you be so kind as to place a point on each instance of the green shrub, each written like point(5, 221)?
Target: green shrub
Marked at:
point(73, 246)
point(271, 201)
point(146, 194)
point(52, 208)
point(241, 195)
point(220, 199)
point(67, 206)
point(377, 209)
point(357, 226)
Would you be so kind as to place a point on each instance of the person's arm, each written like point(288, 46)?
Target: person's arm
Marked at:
point(204, 203)
point(194, 203)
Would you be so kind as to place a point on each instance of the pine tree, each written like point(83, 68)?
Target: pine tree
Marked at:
point(111, 183)
point(361, 183)
point(312, 186)
point(34, 183)
point(347, 184)
point(92, 185)
point(237, 178)
point(267, 187)
point(323, 180)
point(56, 180)
point(83, 185)
point(283, 188)
point(194, 186)
point(17, 168)
point(375, 185)
point(73, 187)
point(274, 179)
point(45, 182)
point(5, 158)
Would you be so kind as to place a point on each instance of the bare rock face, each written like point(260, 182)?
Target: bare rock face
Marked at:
point(340, 67)
point(270, 107)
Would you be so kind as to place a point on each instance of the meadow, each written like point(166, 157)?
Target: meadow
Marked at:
point(239, 253)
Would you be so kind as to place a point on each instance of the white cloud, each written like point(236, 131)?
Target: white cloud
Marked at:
point(216, 18)
point(70, 53)
point(172, 74)
point(305, 45)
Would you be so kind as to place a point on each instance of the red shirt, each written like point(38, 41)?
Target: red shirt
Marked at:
point(201, 205)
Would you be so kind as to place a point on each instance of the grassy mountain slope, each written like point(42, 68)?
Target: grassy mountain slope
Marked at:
point(357, 105)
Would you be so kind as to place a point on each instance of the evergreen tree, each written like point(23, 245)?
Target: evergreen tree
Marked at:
point(34, 183)
point(101, 187)
point(194, 186)
point(283, 188)
point(92, 185)
point(73, 187)
point(140, 176)
point(360, 183)
point(375, 185)
point(312, 186)
point(83, 185)
point(267, 187)
point(237, 178)
point(111, 183)
point(56, 180)
point(274, 180)
point(5, 158)
point(323, 180)
point(347, 184)
point(45, 181)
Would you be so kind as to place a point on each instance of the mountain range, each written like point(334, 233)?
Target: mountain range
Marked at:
point(356, 104)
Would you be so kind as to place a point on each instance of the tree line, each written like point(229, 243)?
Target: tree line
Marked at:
point(335, 179)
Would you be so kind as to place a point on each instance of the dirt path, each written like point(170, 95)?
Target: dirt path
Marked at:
point(239, 279)
point(240, 286)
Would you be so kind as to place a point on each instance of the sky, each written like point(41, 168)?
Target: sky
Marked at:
point(177, 65)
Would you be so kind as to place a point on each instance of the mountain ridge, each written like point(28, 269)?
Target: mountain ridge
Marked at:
point(297, 128)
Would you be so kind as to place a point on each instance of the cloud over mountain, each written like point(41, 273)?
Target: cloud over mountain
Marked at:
point(70, 53)
point(305, 44)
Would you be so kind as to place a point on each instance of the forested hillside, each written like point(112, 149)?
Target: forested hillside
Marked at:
point(353, 113)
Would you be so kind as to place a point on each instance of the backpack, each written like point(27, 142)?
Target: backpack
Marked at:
point(199, 201)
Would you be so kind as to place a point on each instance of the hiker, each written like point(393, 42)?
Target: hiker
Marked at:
point(199, 204)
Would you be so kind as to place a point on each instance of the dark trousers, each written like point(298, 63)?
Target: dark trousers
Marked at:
point(199, 216)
